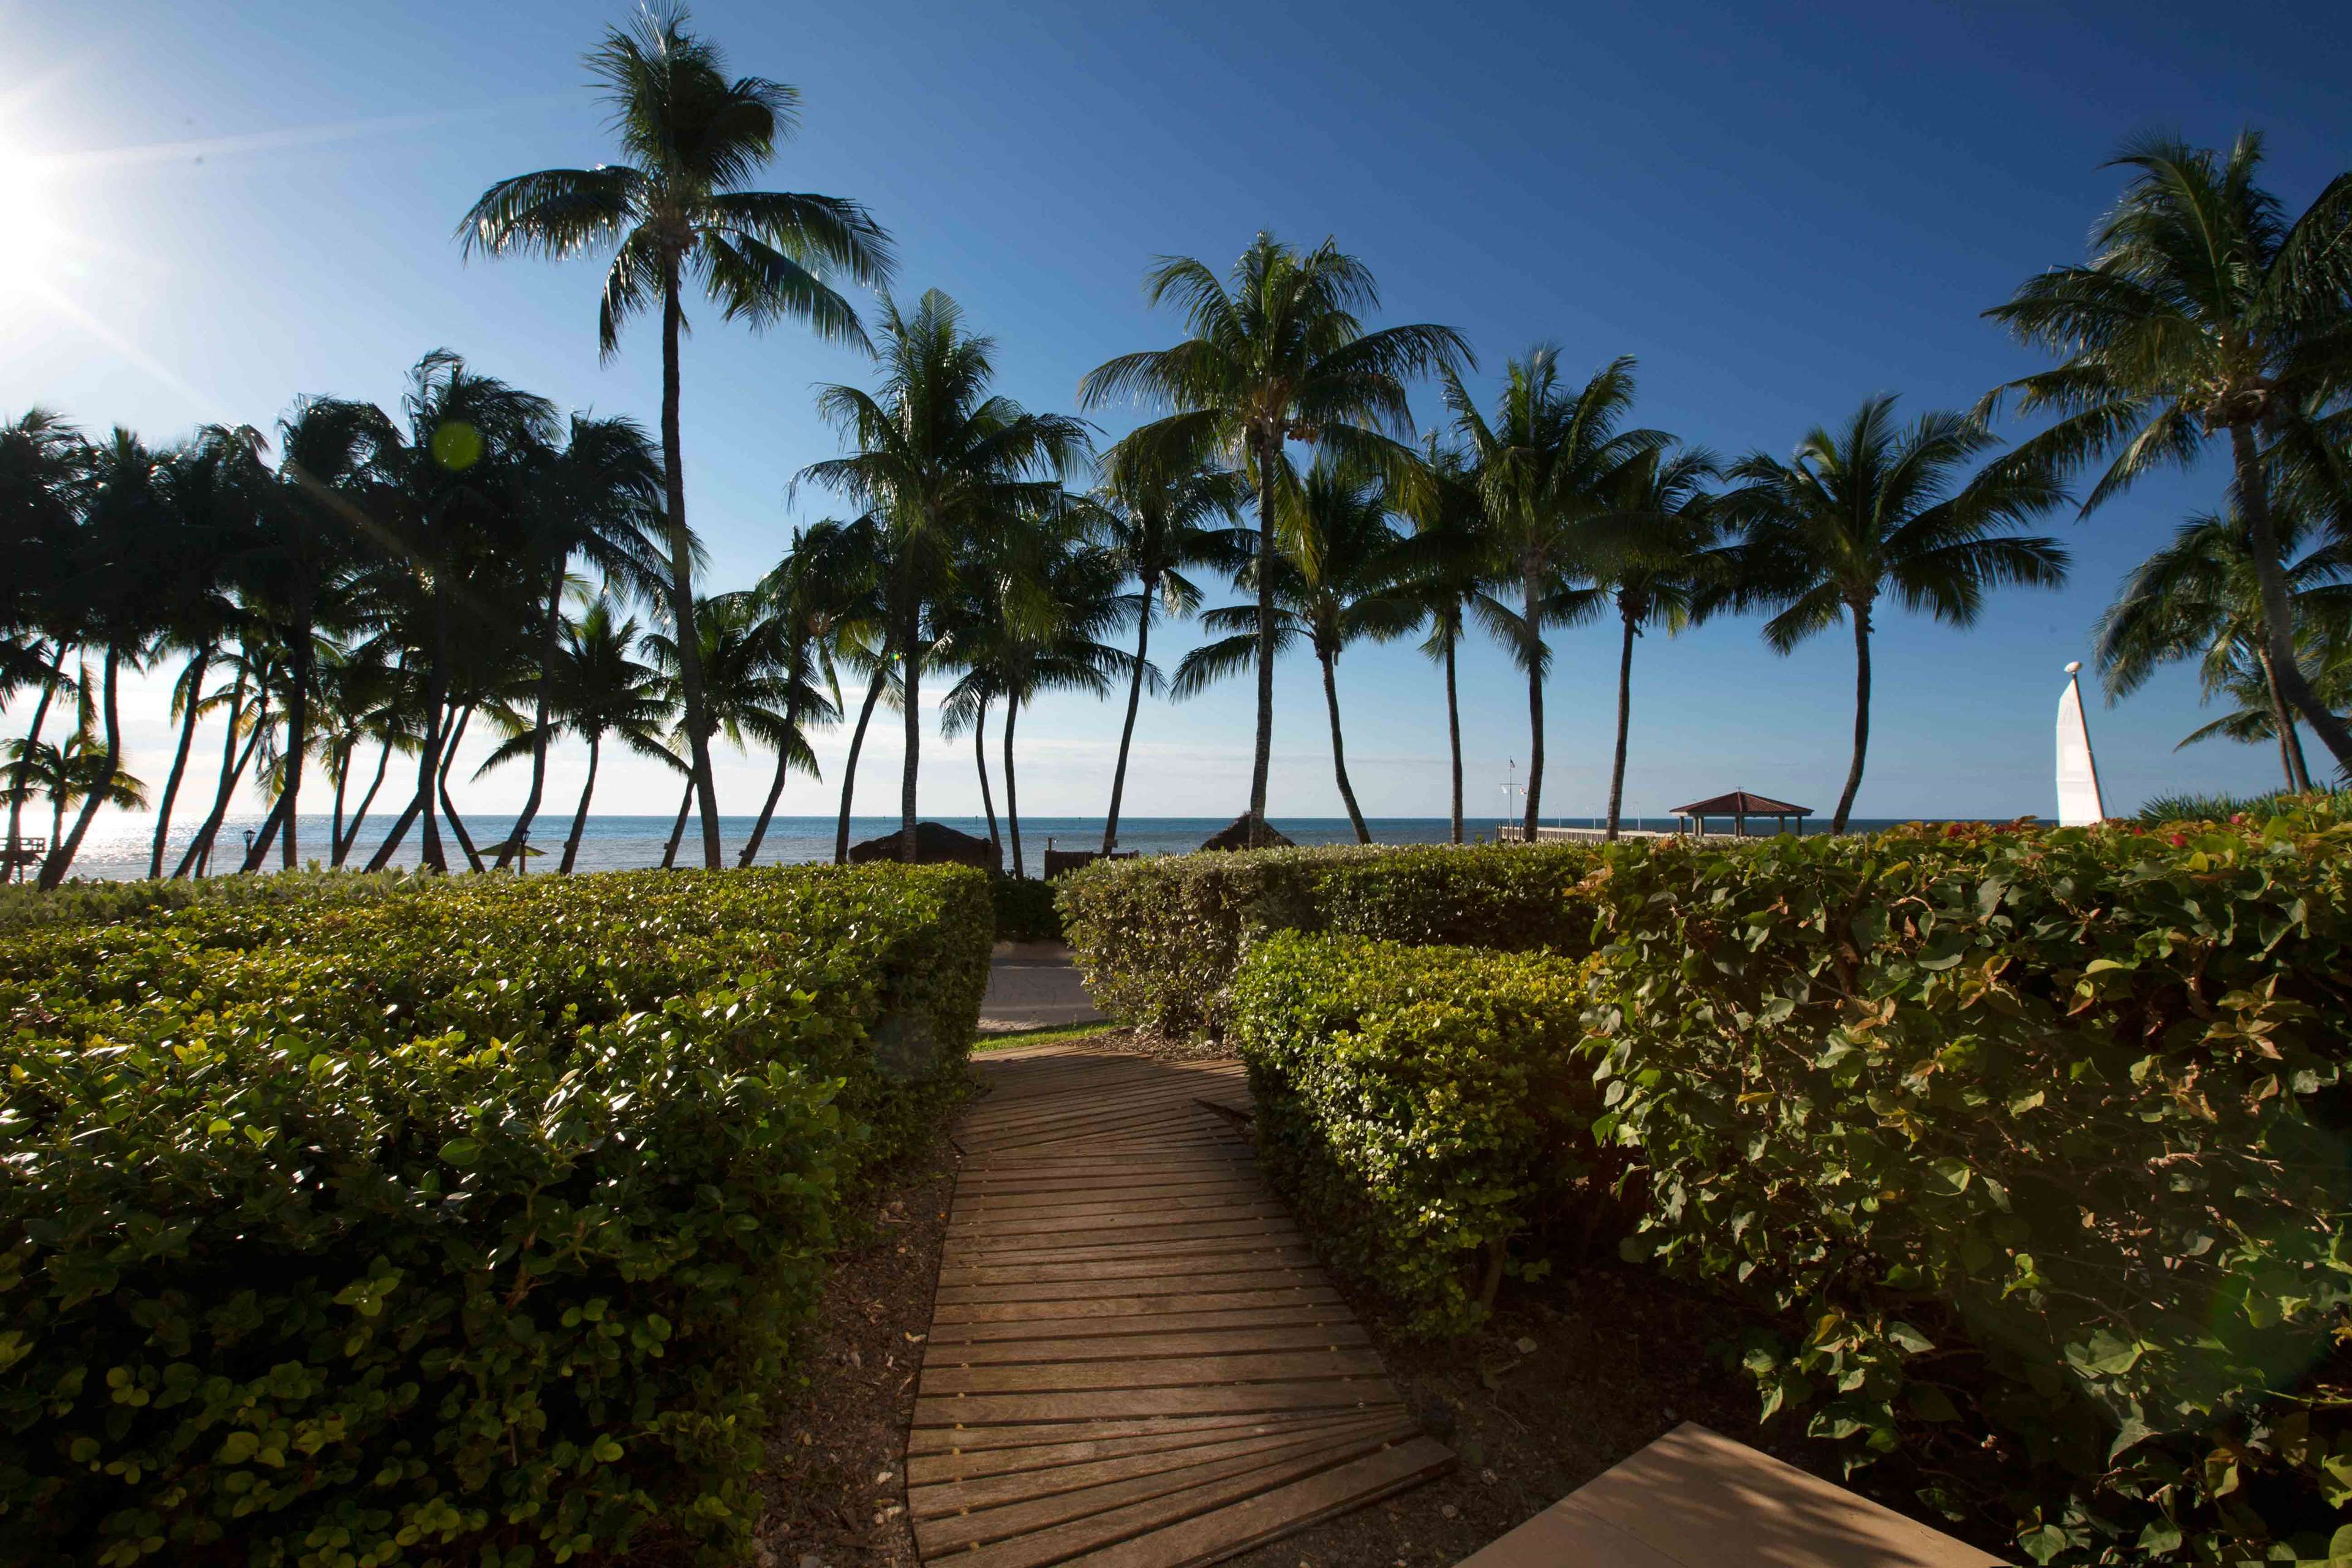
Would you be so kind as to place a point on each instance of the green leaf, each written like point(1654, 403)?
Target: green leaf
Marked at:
point(460, 1152)
point(1949, 1176)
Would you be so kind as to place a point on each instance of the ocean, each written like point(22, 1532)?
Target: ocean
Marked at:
point(120, 849)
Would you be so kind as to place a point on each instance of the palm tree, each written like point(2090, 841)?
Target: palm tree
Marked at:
point(1278, 356)
point(45, 469)
point(1658, 564)
point(2254, 718)
point(215, 494)
point(846, 567)
point(1447, 565)
point(745, 696)
point(597, 498)
point(804, 644)
point(1339, 582)
point(1160, 525)
point(943, 468)
point(1874, 510)
point(2205, 312)
point(1547, 463)
point(76, 771)
point(676, 208)
point(2198, 598)
point(246, 705)
point(363, 700)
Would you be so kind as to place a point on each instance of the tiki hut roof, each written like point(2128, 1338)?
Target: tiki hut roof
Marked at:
point(1235, 834)
point(936, 844)
point(1740, 802)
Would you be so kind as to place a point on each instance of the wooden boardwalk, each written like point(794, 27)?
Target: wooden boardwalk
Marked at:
point(1134, 1359)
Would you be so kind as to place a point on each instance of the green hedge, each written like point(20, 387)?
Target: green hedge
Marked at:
point(2040, 1135)
point(1024, 910)
point(444, 1223)
point(1159, 940)
point(1418, 1106)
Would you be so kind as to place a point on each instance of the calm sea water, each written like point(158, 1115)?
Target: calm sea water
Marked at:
point(619, 843)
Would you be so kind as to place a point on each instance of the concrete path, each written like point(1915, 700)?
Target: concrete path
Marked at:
point(1033, 986)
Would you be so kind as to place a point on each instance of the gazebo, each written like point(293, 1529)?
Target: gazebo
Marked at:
point(1739, 806)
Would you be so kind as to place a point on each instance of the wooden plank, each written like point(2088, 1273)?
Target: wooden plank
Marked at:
point(1277, 1512)
point(928, 1470)
point(1100, 1283)
point(951, 1441)
point(1100, 1404)
point(1233, 1337)
point(955, 1324)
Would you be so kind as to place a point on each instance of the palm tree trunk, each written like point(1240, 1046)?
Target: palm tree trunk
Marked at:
point(1338, 750)
point(2283, 724)
point(192, 685)
point(33, 737)
point(987, 802)
point(61, 856)
point(681, 574)
point(849, 766)
point(2294, 755)
point(549, 625)
point(1262, 752)
point(678, 828)
point(428, 759)
point(910, 673)
point(441, 785)
point(580, 818)
point(1127, 730)
point(344, 840)
point(1861, 716)
point(1454, 734)
point(2278, 612)
point(1012, 791)
point(1624, 710)
point(233, 765)
point(342, 767)
point(297, 732)
point(768, 809)
point(1534, 631)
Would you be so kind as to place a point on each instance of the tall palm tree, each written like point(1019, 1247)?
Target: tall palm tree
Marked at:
point(45, 470)
point(1547, 461)
point(1278, 355)
point(215, 490)
point(1447, 564)
point(2254, 719)
point(803, 642)
point(1659, 561)
point(1339, 582)
point(365, 698)
point(1160, 525)
point(245, 706)
point(597, 499)
point(2198, 598)
point(944, 468)
point(845, 568)
point(1874, 510)
point(2205, 312)
point(675, 210)
point(745, 695)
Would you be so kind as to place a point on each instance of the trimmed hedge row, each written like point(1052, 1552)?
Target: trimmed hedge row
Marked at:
point(1418, 1106)
point(2041, 1134)
point(1159, 940)
point(1024, 910)
point(454, 1222)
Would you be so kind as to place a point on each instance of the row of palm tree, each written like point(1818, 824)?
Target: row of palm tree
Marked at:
point(347, 595)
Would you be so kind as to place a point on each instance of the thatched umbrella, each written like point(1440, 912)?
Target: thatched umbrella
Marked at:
point(1236, 836)
point(936, 844)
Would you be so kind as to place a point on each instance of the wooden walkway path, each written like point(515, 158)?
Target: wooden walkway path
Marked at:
point(1134, 1359)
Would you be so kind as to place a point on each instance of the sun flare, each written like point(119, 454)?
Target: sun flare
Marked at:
point(28, 220)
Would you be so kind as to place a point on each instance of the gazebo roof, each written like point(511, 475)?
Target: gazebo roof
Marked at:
point(1740, 802)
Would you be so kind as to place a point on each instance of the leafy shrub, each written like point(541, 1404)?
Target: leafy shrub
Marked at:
point(2166, 809)
point(1024, 910)
point(23, 905)
point(2040, 1135)
point(1159, 940)
point(1420, 1106)
point(467, 1222)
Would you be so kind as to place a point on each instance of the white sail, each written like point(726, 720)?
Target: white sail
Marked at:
point(2079, 805)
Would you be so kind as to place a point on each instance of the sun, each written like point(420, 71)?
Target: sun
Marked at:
point(29, 234)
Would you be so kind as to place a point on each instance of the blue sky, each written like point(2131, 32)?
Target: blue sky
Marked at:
point(1779, 210)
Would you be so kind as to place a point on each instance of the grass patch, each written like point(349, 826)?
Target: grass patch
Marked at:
point(1047, 1036)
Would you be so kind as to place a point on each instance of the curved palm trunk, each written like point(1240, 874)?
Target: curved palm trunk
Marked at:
point(911, 674)
point(767, 809)
point(681, 575)
point(192, 687)
point(1262, 752)
point(2283, 726)
point(987, 800)
point(1338, 750)
point(298, 735)
point(429, 769)
point(2278, 614)
point(678, 828)
point(61, 856)
point(1012, 791)
point(1454, 734)
point(1861, 716)
point(33, 737)
point(549, 625)
point(233, 767)
point(1624, 710)
point(1127, 730)
point(346, 838)
point(1535, 704)
point(580, 818)
point(2295, 758)
point(441, 786)
point(849, 765)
